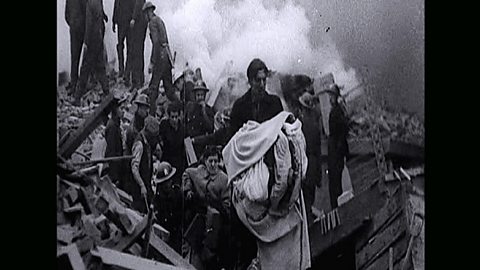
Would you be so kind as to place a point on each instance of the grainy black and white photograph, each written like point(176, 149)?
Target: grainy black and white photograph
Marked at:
point(240, 134)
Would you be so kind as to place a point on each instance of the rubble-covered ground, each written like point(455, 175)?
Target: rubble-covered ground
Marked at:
point(397, 126)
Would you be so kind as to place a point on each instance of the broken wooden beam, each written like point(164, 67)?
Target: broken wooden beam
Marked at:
point(68, 257)
point(103, 160)
point(128, 261)
point(353, 215)
point(169, 253)
point(129, 240)
point(87, 126)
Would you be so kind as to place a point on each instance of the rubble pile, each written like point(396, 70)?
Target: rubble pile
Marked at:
point(92, 212)
point(397, 126)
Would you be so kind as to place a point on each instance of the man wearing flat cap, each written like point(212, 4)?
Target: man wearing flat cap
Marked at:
point(142, 164)
point(337, 144)
point(161, 60)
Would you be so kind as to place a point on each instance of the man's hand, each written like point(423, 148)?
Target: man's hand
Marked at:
point(203, 104)
point(132, 23)
point(143, 191)
point(150, 68)
point(113, 27)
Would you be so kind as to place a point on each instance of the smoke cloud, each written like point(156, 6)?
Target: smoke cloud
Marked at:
point(210, 33)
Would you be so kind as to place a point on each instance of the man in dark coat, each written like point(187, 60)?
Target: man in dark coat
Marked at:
point(75, 12)
point(138, 26)
point(142, 164)
point(161, 59)
point(113, 138)
point(337, 145)
point(94, 50)
point(256, 104)
point(172, 135)
point(122, 15)
point(199, 116)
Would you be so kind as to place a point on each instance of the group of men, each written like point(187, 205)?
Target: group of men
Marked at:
point(159, 174)
point(86, 20)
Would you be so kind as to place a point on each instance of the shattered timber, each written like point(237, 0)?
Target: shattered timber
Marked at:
point(380, 226)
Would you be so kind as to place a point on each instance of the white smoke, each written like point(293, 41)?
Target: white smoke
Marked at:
point(209, 33)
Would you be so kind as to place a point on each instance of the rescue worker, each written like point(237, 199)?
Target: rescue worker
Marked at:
point(138, 26)
point(168, 202)
point(161, 59)
point(172, 135)
point(258, 105)
point(143, 106)
point(122, 14)
point(337, 144)
point(142, 164)
point(94, 58)
point(131, 132)
point(113, 138)
point(199, 115)
point(75, 13)
point(207, 195)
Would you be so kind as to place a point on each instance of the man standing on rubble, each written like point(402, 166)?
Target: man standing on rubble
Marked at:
point(122, 14)
point(337, 144)
point(199, 115)
point(258, 105)
point(113, 138)
point(142, 164)
point(161, 59)
point(172, 135)
point(75, 12)
point(138, 26)
point(93, 50)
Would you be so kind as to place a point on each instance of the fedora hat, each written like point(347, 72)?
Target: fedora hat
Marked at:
point(200, 85)
point(333, 89)
point(142, 99)
point(162, 172)
point(148, 5)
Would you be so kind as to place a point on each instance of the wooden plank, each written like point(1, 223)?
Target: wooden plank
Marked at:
point(128, 261)
point(87, 126)
point(353, 215)
point(73, 257)
point(399, 250)
point(389, 212)
point(128, 240)
point(169, 253)
point(382, 241)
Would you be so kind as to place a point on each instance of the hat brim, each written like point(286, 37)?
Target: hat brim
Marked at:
point(142, 103)
point(165, 178)
point(328, 91)
point(201, 89)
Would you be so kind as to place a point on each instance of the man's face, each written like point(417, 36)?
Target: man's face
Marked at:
point(174, 117)
point(200, 96)
point(259, 82)
point(212, 164)
point(142, 110)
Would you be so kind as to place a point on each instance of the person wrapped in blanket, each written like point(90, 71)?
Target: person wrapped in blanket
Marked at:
point(272, 208)
point(207, 205)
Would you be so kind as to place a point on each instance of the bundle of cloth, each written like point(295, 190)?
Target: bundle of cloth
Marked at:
point(272, 208)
